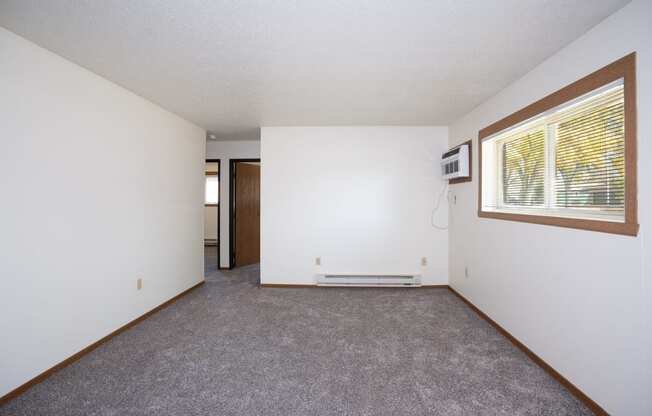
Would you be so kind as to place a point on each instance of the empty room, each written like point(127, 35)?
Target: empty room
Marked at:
point(325, 207)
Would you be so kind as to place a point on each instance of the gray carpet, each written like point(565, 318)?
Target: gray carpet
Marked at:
point(210, 260)
point(232, 348)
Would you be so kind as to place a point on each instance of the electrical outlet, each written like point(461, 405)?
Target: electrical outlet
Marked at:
point(317, 261)
point(424, 261)
point(139, 283)
point(466, 272)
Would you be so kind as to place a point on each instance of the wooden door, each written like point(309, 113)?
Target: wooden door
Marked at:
point(247, 214)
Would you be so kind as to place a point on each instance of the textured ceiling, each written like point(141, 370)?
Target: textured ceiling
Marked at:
point(231, 66)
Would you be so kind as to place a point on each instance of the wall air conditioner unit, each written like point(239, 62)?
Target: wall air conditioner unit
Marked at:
point(455, 163)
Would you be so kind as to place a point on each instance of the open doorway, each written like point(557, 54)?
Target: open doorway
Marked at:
point(211, 216)
point(244, 212)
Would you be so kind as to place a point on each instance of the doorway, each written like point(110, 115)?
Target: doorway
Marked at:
point(244, 212)
point(211, 216)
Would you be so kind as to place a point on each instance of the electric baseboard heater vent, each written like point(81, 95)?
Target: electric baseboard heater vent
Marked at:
point(370, 280)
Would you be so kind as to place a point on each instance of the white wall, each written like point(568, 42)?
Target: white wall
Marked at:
point(116, 184)
point(225, 150)
point(210, 223)
point(581, 300)
point(358, 197)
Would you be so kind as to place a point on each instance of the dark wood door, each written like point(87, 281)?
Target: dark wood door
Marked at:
point(247, 214)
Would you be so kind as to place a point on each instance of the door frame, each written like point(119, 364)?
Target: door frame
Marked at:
point(219, 204)
point(232, 191)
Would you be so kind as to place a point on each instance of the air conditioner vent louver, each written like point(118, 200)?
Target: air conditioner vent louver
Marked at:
point(455, 162)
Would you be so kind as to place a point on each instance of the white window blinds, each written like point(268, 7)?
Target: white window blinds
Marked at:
point(590, 155)
point(523, 169)
point(569, 161)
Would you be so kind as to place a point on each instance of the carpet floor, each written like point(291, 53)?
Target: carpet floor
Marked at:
point(210, 260)
point(233, 348)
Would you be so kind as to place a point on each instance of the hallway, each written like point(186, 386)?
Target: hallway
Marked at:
point(210, 260)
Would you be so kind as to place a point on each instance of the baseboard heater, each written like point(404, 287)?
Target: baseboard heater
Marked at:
point(371, 280)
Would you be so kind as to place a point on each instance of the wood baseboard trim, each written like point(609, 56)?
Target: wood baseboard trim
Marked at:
point(294, 286)
point(579, 394)
point(47, 373)
point(287, 285)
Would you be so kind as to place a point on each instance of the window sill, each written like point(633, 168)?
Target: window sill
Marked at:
point(604, 226)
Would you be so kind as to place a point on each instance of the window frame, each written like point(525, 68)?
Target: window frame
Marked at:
point(625, 69)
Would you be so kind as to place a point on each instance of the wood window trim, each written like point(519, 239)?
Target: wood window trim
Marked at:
point(624, 68)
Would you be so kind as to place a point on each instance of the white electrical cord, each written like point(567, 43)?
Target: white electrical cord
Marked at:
point(436, 208)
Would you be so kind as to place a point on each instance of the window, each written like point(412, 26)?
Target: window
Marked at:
point(569, 159)
point(212, 190)
point(523, 169)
